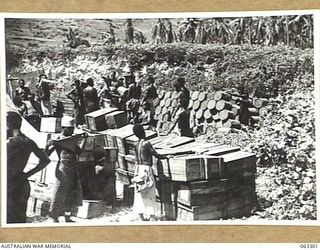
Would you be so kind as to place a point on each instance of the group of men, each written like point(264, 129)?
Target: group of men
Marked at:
point(32, 106)
point(127, 94)
point(124, 93)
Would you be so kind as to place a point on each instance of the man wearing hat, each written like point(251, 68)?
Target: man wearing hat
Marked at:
point(67, 191)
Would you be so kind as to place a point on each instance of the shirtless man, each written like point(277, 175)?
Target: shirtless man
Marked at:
point(183, 120)
point(76, 95)
point(19, 148)
point(90, 95)
point(183, 92)
point(67, 191)
point(144, 200)
point(133, 101)
point(22, 90)
point(150, 93)
point(44, 91)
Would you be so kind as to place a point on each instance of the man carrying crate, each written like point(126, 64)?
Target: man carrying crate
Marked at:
point(67, 191)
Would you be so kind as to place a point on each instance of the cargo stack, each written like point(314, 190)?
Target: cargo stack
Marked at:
point(209, 109)
point(96, 165)
point(42, 183)
point(105, 118)
point(212, 182)
point(262, 108)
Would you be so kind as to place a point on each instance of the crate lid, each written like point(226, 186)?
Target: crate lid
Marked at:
point(237, 156)
point(101, 112)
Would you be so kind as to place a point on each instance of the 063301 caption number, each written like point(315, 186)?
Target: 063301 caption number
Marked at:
point(310, 246)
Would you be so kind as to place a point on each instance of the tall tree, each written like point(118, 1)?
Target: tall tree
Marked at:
point(201, 33)
point(159, 32)
point(129, 31)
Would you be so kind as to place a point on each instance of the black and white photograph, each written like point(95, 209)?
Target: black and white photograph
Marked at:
point(155, 119)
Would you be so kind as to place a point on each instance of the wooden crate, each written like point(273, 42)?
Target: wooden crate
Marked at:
point(174, 151)
point(89, 143)
point(99, 142)
point(220, 150)
point(239, 164)
point(242, 206)
point(170, 141)
point(110, 138)
point(46, 175)
point(131, 162)
point(124, 176)
point(115, 137)
point(204, 212)
point(241, 187)
point(70, 142)
point(42, 191)
point(42, 207)
point(167, 198)
point(121, 142)
point(199, 147)
point(131, 141)
point(96, 120)
point(90, 209)
point(116, 119)
point(111, 154)
point(203, 193)
point(122, 163)
point(160, 167)
point(213, 167)
point(31, 206)
point(86, 156)
point(50, 125)
point(186, 168)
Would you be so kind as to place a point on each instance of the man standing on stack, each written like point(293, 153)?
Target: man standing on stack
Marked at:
point(19, 148)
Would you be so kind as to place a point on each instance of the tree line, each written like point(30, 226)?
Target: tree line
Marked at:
point(294, 31)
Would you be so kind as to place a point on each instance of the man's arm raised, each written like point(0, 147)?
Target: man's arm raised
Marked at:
point(43, 160)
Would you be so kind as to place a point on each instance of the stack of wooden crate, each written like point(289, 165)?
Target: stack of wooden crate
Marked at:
point(41, 186)
point(215, 182)
point(105, 118)
point(200, 181)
